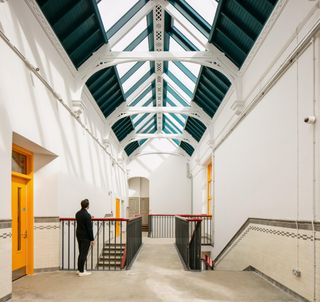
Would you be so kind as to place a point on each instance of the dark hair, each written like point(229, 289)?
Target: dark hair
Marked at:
point(84, 203)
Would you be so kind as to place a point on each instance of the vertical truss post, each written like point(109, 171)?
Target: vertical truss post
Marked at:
point(158, 35)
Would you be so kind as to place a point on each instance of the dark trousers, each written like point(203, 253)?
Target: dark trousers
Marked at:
point(84, 245)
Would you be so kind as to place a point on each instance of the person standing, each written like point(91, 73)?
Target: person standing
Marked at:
point(84, 235)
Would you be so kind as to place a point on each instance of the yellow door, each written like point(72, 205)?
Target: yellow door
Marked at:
point(19, 224)
point(117, 216)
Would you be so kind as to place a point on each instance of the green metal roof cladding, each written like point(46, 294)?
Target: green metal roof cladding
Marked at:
point(235, 28)
point(237, 25)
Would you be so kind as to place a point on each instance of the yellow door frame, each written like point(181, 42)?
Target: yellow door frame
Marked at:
point(209, 187)
point(28, 178)
point(118, 204)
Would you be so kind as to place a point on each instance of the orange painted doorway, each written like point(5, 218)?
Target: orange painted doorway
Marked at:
point(22, 212)
point(118, 205)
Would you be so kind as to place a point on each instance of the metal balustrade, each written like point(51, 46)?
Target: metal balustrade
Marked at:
point(188, 241)
point(117, 241)
point(163, 226)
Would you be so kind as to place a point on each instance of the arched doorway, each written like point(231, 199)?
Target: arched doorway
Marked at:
point(139, 199)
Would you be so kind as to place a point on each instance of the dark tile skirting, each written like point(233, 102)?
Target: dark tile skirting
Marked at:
point(46, 219)
point(5, 224)
point(46, 269)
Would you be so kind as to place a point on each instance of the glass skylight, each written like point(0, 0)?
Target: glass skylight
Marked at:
point(144, 99)
point(175, 46)
point(111, 13)
point(182, 76)
point(186, 33)
point(179, 91)
point(131, 35)
point(193, 67)
point(192, 29)
point(136, 77)
point(124, 68)
point(205, 8)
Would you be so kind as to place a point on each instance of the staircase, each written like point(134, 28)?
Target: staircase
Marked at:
point(145, 228)
point(111, 256)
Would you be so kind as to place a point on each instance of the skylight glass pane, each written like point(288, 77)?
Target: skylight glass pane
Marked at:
point(194, 31)
point(124, 68)
point(145, 124)
point(206, 8)
point(131, 35)
point(173, 121)
point(175, 46)
point(111, 13)
point(144, 99)
point(193, 67)
point(179, 91)
point(195, 42)
point(182, 76)
point(143, 46)
point(174, 100)
point(135, 77)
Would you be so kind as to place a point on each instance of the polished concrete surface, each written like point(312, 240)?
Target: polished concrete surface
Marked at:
point(157, 275)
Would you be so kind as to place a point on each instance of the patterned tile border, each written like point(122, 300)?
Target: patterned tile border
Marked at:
point(289, 224)
point(5, 235)
point(46, 219)
point(6, 298)
point(47, 227)
point(5, 224)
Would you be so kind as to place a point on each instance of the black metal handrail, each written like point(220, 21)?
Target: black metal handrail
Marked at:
point(116, 242)
point(134, 239)
point(163, 226)
point(188, 241)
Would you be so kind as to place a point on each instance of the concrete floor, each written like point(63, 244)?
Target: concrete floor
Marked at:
point(157, 275)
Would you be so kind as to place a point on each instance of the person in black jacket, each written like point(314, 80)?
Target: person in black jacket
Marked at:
point(84, 236)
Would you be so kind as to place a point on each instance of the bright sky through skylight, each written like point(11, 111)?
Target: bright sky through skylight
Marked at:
point(131, 35)
point(181, 76)
point(205, 8)
point(111, 11)
point(195, 42)
point(124, 68)
point(136, 77)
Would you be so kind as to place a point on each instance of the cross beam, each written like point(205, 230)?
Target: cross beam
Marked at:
point(124, 111)
point(103, 58)
point(186, 137)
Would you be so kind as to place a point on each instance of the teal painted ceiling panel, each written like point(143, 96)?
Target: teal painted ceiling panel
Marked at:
point(122, 128)
point(238, 24)
point(77, 24)
point(187, 147)
point(195, 128)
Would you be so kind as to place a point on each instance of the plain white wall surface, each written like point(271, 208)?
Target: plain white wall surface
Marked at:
point(264, 168)
point(170, 188)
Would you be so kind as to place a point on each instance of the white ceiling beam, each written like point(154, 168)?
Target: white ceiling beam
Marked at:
point(103, 58)
point(186, 137)
point(124, 111)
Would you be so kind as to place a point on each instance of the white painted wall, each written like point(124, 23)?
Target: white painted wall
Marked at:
point(264, 168)
point(170, 188)
point(70, 164)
